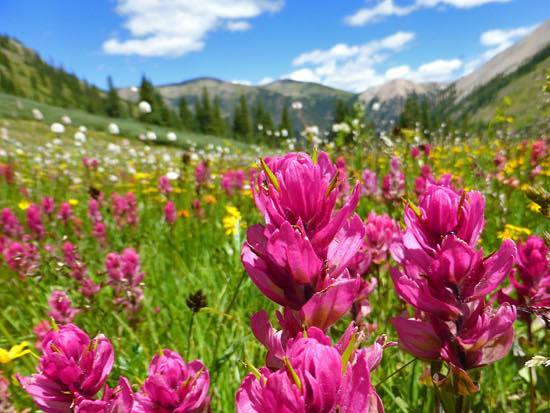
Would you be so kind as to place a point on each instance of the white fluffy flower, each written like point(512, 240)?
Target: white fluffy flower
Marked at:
point(37, 114)
point(284, 133)
point(113, 148)
point(151, 136)
point(57, 127)
point(171, 136)
point(341, 127)
point(172, 175)
point(80, 137)
point(376, 106)
point(113, 129)
point(66, 119)
point(144, 107)
point(83, 129)
point(297, 105)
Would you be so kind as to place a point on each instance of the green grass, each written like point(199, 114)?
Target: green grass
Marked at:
point(12, 107)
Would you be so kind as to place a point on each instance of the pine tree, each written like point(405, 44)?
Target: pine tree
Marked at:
point(203, 112)
point(341, 111)
point(286, 123)
point(112, 103)
point(241, 120)
point(186, 116)
point(218, 122)
point(147, 93)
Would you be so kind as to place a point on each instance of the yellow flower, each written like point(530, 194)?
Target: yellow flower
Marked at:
point(24, 205)
point(533, 206)
point(513, 232)
point(13, 353)
point(184, 213)
point(210, 199)
point(232, 220)
point(140, 176)
point(73, 202)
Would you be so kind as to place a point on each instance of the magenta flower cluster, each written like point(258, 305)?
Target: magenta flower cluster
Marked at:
point(446, 278)
point(74, 369)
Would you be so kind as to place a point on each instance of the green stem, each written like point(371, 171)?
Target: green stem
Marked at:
point(395, 372)
point(189, 335)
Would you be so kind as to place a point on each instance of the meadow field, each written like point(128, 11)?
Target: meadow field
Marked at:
point(144, 246)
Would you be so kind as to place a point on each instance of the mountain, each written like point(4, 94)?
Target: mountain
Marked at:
point(505, 62)
point(386, 101)
point(318, 100)
point(516, 74)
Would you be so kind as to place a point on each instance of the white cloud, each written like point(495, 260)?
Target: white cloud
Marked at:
point(238, 26)
point(304, 75)
point(178, 27)
point(496, 41)
point(346, 66)
point(385, 8)
point(266, 80)
point(355, 67)
point(242, 82)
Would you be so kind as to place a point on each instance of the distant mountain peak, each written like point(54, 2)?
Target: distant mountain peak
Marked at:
point(398, 89)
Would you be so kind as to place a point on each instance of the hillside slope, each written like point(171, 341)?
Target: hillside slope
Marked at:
point(523, 87)
point(318, 100)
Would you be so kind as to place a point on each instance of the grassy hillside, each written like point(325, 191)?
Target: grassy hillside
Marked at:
point(24, 73)
point(523, 87)
point(12, 108)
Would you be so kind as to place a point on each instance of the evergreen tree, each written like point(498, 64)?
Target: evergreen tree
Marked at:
point(147, 93)
point(203, 113)
point(218, 122)
point(112, 103)
point(241, 120)
point(186, 116)
point(286, 123)
point(261, 120)
point(341, 111)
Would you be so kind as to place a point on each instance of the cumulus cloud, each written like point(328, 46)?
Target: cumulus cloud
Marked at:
point(356, 67)
point(386, 8)
point(176, 27)
point(439, 70)
point(266, 80)
point(346, 66)
point(238, 26)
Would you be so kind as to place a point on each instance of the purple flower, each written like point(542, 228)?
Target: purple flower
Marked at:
point(299, 258)
point(9, 224)
point(125, 276)
point(164, 185)
point(531, 279)
point(442, 212)
point(170, 213)
point(114, 400)
point(456, 275)
point(393, 183)
point(482, 337)
point(71, 366)
point(34, 221)
point(232, 181)
point(370, 183)
point(315, 377)
point(48, 205)
point(174, 386)
point(61, 307)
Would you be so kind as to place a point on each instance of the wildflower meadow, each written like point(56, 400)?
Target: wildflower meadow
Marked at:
point(400, 274)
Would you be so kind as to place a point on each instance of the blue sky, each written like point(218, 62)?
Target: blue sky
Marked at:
point(350, 44)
